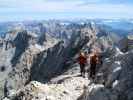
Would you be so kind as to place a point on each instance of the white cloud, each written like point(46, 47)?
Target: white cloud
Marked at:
point(38, 5)
point(106, 8)
point(66, 7)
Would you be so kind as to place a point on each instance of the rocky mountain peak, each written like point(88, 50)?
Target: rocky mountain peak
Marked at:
point(40, 63)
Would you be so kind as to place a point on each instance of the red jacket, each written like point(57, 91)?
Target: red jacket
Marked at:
point(94, 59)
point(82, 59)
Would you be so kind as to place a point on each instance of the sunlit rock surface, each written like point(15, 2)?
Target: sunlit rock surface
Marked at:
point(38, 62)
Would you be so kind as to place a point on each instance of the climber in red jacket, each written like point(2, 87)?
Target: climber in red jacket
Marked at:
point(93, 62)
point(82, 60)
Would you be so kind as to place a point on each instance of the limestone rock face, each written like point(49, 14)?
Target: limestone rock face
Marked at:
point(63, 87)
point(126, 44)
point(43, 65)
point(18, 52)
point(32, 61)
point(21, 73)
point(69, 89)
point(58, 58)
point(14, 45)
point(98, 92)
point(116, 75)
point(21, 42)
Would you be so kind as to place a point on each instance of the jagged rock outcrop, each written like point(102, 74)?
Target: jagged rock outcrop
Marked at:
point(19, 59)
point(69, 89)
point(68, 86)
point(98, 92)
point(43, 65)
point(126, 44)
point(115, 83)
point(55, 60)
point(21, 72)
point(116, 75)
point(21, 42)
point(36, 65)
point(42, 37)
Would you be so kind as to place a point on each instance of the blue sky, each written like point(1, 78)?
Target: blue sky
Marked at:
point(64, 9)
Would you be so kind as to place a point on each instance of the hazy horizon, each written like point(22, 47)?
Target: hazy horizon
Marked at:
point(14, 10)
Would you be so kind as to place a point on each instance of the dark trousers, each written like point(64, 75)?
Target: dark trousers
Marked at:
point(92, 70)
point(82, 68)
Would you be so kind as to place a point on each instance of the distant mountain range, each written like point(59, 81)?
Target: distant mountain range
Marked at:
point(38, 59)
point(121, 27)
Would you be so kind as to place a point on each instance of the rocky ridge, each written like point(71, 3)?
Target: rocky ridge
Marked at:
point(47, 70)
